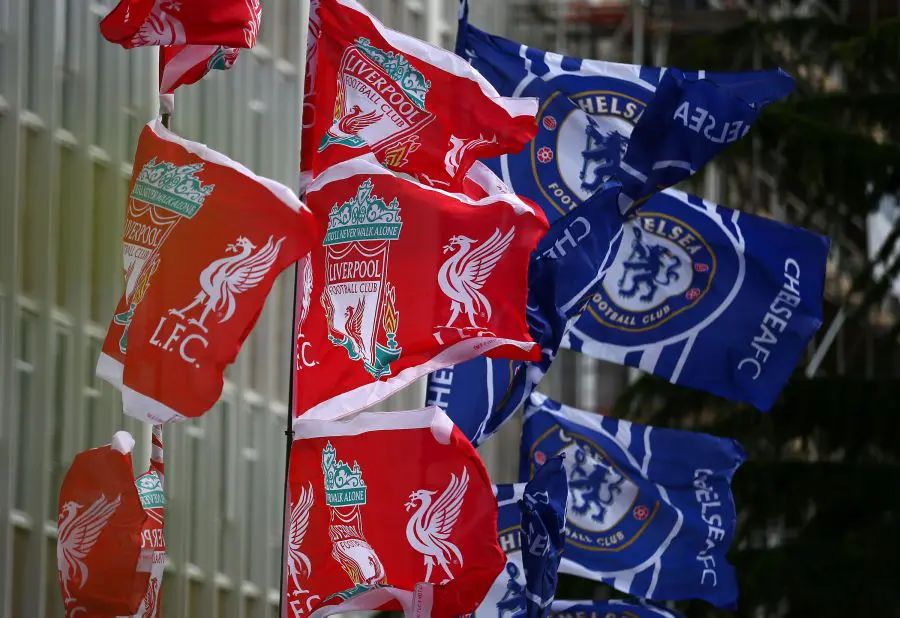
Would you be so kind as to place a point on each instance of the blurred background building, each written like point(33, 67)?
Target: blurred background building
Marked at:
point(72, 106)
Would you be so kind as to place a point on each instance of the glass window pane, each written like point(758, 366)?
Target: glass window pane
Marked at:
point(57, 430)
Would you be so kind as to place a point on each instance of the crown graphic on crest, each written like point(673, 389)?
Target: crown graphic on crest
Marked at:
point(363, 217)
point(344, 486)
point(398, 69)
point(172, 187)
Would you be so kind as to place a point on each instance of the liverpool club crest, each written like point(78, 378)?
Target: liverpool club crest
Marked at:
point(380, 103)
point(163, 195)
point(345, 493)
point(359, 301)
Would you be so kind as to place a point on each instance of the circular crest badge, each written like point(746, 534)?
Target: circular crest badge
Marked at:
point(585, 149)
point(676, 265)
point(609, 510)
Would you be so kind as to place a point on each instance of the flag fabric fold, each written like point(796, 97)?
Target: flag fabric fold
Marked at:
point(369, 531)
point(136, 23)
point(690, 118)
point(707, 297)
point(381, 91)
point(406, 279)
point(204, 240)
point(589, 115)
point(650, 510)
point(181, 65)
point(530, 517)
point(110, 550)
point(481, 394)
point(543, 508)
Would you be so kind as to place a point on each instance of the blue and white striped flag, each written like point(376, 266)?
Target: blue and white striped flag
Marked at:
point(650, 510)
point(543, 508)
point(707, 297)
point(646, 127)
point(529, 518)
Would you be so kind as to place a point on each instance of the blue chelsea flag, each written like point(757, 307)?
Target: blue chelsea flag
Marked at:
point(707, 297)
point(543, 507)
point(524, 510)
point(646, 127)
point(650, 510)
point(481, 394)
point(609, 609)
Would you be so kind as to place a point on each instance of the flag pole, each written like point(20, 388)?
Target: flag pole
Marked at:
point(289, 429)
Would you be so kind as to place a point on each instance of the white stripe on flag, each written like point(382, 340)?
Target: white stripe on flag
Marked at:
point(685, 165)
point(182, 62)
point(630, 170)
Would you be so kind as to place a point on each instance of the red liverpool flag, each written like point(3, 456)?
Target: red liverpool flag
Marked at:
point(136, 23)
point(370, 531)
point(180, 65)
point(203, 243)
point(405, 279)
point(110, 552)
point(421, 109)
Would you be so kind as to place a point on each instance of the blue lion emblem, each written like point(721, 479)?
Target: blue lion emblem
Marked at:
point(648, 267)
point(513, 602)
point(594, 486)
point(604, 150)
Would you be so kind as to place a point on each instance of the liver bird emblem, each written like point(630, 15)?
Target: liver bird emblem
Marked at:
point(464, 273)
point(77, 535)
point(229, 276)
point(305, 265)
point(354, 121)
point(431, 525)
point(353, 326)
point(161, 26)
point(298, 562)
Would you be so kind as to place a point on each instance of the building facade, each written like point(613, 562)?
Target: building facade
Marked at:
point(71, 108)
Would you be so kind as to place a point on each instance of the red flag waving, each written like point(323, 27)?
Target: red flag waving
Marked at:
point(369, 531)
point(180, 65)
point(407, 279)
point(203, 243)
point(109, 534)
point(421, 109)
point(136, 23)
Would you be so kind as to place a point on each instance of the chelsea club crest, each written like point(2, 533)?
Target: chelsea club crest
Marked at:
point(679, 264)
point(565, 175)
point(663, 267)
point(608, 510)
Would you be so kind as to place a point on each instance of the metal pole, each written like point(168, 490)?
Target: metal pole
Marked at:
point(289, 429)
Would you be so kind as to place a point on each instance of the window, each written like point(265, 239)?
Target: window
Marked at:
point(58, 454)
point(23, 404)
point(94, 429)
point(68, 229)
point(71, 60)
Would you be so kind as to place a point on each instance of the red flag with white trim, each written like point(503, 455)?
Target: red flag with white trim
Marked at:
point(136, 23)
point(402, 280)
point(420, 109)
point(180, 65)
point(369, 531)
point(204, 240)
point(110, 551)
